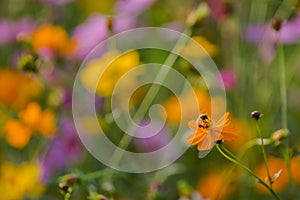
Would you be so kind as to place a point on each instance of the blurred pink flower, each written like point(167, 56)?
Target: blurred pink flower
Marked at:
point(127, 12)
point(89, 34)
point(267, 37)
point(56, 2)
point(229, 78)
point(132, 7)
point(95, 29)
point(10, 30)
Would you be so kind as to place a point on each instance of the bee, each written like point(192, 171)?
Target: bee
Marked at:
point(203, 121)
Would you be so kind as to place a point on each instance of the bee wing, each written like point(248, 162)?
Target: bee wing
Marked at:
point(206, 145)
point(203, 153)
point(192, 125)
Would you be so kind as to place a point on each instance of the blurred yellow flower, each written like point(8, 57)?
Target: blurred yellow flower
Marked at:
point(31, 119)
point(192, 49)
point(212, 186)
point(18, 182)
point(16, 89)
point(52, 37)
point(110, 71)
point(278, 173)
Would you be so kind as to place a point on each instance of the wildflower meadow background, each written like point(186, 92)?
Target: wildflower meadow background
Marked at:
point(248, 150)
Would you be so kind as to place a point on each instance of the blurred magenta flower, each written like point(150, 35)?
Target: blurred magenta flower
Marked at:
point(64, 150)
point(56, 2)
point(229, 78)
point(268, 37)
point(151, 136)
point(10, 30)
point(89, 34)
point(217, 9)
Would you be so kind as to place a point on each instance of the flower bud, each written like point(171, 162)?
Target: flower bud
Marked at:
point(256, 115)
point(64, 187)
point(28, 63)
point(279, 135)
point(276, 24)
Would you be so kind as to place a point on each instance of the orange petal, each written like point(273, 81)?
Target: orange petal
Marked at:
point(196, 138)
point(223, 120)
point(228, 136)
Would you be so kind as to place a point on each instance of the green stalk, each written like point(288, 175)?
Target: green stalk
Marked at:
point(264, 153)
point(220, 148)
point(95, 175)
point(283, 94)
point(283, 100)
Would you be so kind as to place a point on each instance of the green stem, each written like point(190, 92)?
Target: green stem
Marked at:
point(232, 159)
point(264, 153)
point(95, 175)
point(283, 95)
point(67, 196)
point(283, 100)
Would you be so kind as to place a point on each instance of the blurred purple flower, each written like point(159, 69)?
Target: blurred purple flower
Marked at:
point(89, 34)
point(56, 2)
point(64, 150)
point(10, 30)
point(229, 78)
point(151, 137)
point(267, 37)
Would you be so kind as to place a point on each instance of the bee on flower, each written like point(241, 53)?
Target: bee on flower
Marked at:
point(207, 132)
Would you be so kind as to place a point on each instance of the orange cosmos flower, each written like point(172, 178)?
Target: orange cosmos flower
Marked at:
point(207, 132)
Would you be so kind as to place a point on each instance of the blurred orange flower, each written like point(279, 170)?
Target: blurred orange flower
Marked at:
point(295, 166)
point(16, 89)
point(244, 130)
point(31, 119)
point(17, 133)
point(52, 37)
point(173, 109)
point(207, 132)
point(278, 173)
point(212, 186)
